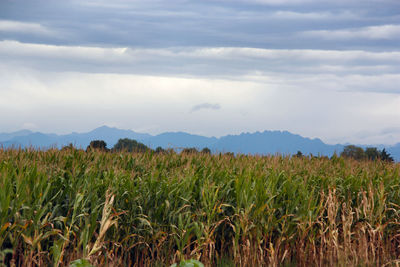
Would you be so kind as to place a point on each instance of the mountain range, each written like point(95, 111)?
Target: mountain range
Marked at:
point(267, 142)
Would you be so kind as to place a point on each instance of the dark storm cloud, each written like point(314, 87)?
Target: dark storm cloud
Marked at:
point(264, 24)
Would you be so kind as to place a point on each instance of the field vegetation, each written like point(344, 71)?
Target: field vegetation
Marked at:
point(155, 209)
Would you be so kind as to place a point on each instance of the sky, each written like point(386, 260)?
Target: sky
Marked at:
point(318, 68)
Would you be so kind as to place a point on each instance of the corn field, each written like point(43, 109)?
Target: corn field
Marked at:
point(146, 209)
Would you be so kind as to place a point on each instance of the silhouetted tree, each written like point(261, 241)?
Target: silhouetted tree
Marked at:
point(97, 145)
point(130, 145)
point(372, 153)
point(352, 151)
point(386, 156)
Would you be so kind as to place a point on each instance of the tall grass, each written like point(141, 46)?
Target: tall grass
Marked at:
point(147, 209)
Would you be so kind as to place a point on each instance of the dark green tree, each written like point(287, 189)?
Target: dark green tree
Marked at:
point(97, 145)
point(372, 153)
point(386, 156)
point(352, 151)
point(130, 145)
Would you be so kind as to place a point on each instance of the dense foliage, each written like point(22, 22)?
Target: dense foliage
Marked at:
point(130, 145)
point(159, 208)
point(370, 153)
point(95, 145)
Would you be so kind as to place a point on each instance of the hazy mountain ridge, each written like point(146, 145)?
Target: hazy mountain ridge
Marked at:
point(271, 142)
point(395, 151)
point(267, 142)
point(41, 140)
point(8, 136)
point(179, 140)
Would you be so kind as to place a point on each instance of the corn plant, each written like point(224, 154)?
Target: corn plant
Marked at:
point(71, 207)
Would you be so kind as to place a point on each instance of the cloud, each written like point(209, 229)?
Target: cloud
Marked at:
point(213, 23)
point(205, 106)
point(390, 130)
point(389, 32)
point(310, 105)
point(375, 136)
point(132, 55)
point(294, 15)
point(277, 2)
point(24, 27)
point(30, 126)
point(211, 62)
point(82, 101)
point(325, 70)
point(57, 52)
point(311, 3)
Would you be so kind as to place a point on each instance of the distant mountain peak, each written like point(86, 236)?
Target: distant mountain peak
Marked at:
point(8, 136)
point(104, 128)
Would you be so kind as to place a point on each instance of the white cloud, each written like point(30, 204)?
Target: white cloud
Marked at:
point(18, 49)
point(387, 32)
point(24, 27)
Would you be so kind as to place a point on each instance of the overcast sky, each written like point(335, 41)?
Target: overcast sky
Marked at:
point(318, 68)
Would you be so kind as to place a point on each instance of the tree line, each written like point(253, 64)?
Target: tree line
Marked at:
point(359, 153)
point(130, 145)
point(369, 153)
